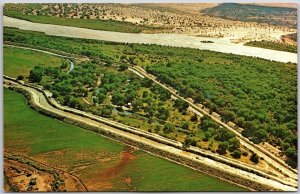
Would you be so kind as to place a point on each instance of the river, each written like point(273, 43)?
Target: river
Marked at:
point(177, 40)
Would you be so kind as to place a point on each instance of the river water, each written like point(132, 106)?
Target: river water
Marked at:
point(177, 40)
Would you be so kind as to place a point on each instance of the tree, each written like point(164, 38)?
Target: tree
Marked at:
point(261, 135)
point(223, 134)
point(181, 105)
point(254, 158)
point(234, 144)
point(145, 94)
point(207, 135)
point(64, 65)
point(20, 77)
point(118, 99)
point(194, 118)
point(74, 103)
point(123, 67)
point(36, 74)
point(185, 125)
point(150, 111)
point(101, 97)
point(236, 154)
point(223, 146)
point(106, 111)
point(136, 104)
point(189, 141)
point(163, 113)
point(55, 94)
point(199, 98)
point(168, 128)
point(207, 122)
point(291, 152)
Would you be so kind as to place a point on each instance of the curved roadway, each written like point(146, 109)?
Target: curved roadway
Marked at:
point(39, 99)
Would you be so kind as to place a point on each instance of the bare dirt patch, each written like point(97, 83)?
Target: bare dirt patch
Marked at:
point(26, 175)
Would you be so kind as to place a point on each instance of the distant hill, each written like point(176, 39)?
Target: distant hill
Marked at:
point(290, 38)
point(278, 16)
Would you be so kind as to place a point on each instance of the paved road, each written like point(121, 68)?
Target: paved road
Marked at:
point(104, 124)
point(71, 65)
point(274, 161)
point(142, 73)
point(178, 40)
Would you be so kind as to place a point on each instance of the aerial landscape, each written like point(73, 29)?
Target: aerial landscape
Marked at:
point(150, 97)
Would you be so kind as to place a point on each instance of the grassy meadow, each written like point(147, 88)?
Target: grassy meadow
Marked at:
point(20, 61)
point(100, 163)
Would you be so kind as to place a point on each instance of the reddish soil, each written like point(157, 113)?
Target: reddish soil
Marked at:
point(104, 179)
point(126, 157)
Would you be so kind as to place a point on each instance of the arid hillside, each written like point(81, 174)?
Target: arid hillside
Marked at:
point(263, 14)
point(152, 18)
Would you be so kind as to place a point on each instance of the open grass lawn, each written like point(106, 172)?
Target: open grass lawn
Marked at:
point(101, 163)
point(20, 61)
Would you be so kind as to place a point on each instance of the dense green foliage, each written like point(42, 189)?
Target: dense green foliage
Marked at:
point(214, 131)
point(254, 13)
point(119, 90)
point(258, 95)
point(273, 46)
point(24, 12)
point(55, 143)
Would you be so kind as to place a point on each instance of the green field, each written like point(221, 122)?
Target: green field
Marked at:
point(104, 164)
point(20, 61)
point(273, 46)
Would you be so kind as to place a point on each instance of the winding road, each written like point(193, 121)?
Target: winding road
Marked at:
point(42, 99)
point(71, 65)
point(289, 178)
